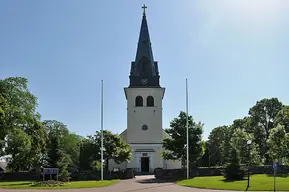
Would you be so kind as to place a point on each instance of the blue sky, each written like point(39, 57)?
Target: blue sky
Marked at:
point(232, 52)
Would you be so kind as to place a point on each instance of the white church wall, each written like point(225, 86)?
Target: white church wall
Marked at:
point(139, 116)
point(151, 151)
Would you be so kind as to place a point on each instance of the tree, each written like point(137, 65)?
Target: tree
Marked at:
point(18, 106)
point(175, 145)
point(205, 161)
point(263, 113)
point(88, 153)
point(234, 170)
point(19, 146)
point(239, 142)
point(96, 165)
point(282, 118)
point(56, 155)
point(38, 135)
point(71, 147)
point(278, 143)
point(216, 145)
point(115, 148)
point(21, 104)
point(3, 102)
point(63, 146)
point(227, 145)
point(3, 105)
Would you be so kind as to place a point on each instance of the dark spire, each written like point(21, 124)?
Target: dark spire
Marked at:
point(144, 66)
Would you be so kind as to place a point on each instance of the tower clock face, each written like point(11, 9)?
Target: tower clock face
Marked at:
point(144, 81)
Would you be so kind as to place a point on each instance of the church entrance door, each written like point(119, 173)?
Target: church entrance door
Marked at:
point(145, 164)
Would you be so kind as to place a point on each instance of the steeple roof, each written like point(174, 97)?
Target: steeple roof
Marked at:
point(144, 48)
point(144, 66)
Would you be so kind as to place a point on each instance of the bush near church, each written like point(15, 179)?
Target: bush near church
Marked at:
point(49, 183)
point(234, 169)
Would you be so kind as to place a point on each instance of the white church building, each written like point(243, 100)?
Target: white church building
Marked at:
point(144, 97)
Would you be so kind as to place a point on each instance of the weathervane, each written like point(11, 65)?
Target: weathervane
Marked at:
point(144, 9)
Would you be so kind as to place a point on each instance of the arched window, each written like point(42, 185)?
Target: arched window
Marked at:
point(150, 101)
point(138, 101)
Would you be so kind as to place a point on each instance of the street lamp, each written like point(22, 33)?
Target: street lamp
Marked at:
point(249, 142)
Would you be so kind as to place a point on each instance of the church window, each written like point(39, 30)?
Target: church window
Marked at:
point(144, 127)
point(138, 101)
point(150, 101)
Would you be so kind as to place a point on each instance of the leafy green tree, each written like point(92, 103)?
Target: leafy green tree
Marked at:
point(63, 165)
point(56, 127)
point(19, 146)
point(282, 118)
point(233, 169)
point(205, 161)
point(71, 147)
point(175, 145)
point(3, 105)
point(96, 165)
point(18, 105)
point(114, 148)
point(216, 145)
point(241, 124)
point(63, 146)
point(38, 135)
point(56, 156)
point(227, 145)
point(3, 102)
point(21, 104)
point(248, 125)
point(88, 153)
point(278, 143)
point(239, 142)
point(264, 113)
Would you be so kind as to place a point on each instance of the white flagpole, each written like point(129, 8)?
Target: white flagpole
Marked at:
point(187, 110)
point(101, 130)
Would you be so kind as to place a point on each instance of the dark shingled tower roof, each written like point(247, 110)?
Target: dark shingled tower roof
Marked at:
point(144, 70)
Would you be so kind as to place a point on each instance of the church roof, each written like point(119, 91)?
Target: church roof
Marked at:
point(144, 70)
point(144, 48)
point(124, 132)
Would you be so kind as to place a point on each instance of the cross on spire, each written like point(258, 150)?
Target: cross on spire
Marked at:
point(144, 9)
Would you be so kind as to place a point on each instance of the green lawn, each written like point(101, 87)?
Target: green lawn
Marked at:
point(70, 185)
point(257, 183)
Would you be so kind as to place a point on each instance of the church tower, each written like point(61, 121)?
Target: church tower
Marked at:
point(144, 97)
point(144, 94)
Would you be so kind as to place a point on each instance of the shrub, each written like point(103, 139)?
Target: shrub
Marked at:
point(64, 175)
point(49, 183)
point(234, 170)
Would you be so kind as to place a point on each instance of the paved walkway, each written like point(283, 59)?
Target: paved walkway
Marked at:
point(139, 184)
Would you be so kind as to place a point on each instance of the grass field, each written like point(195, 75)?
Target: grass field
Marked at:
point(71, 185)
point(257, 183)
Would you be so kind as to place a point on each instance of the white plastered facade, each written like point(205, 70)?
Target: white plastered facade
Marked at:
point(145, 144)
